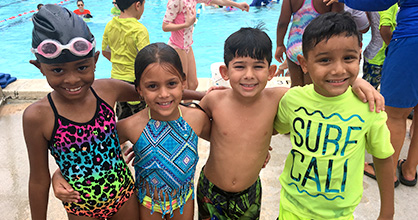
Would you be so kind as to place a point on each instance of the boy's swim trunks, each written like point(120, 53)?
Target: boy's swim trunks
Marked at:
point(214, 203)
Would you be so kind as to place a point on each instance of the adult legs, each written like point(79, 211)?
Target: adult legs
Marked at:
point(397, 125)
point(410, 165)
point(297, 76)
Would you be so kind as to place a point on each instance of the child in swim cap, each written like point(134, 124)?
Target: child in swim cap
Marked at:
point(76, 122)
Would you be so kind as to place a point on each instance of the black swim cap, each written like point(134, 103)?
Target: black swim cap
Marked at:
point(57, 23)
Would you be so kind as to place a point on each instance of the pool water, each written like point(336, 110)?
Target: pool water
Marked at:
point(213, 27)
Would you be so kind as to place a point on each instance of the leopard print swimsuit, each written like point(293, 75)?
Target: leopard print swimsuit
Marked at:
point(91, 161)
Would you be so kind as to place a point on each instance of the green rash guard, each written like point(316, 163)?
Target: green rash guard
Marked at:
point(123, 38)
point(323, 174)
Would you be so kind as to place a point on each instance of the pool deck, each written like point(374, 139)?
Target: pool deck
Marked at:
point(14, 169)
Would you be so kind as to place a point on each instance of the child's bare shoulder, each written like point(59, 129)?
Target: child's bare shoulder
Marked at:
point(38, 110)
point(213, 97)
point(136, 120)
point(131, 128)
point(103, 85)
point(193, 111)
point(276, 93)
point(39, 119)
point(220, 93)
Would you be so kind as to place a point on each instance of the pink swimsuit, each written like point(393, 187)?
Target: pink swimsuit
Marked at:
point(176, 13)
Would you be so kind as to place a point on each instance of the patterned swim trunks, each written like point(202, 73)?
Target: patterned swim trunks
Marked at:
point(214, 203)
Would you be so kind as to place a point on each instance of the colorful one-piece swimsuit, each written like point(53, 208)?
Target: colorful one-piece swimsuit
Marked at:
point(301, 19)
point(165, 161)
point(91, 161)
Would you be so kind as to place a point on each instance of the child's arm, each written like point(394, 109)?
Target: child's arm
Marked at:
point(112, 90)
point(384, 175)
point(192, 94)
point(337, 7)
point(386, 23)
point(241, 5)
point(62, 190)
point(37, 146)
point(189, 20)
point(386, 34)
point(201, 119)
point(367, 93)
point(282, 25)
point(127, 131)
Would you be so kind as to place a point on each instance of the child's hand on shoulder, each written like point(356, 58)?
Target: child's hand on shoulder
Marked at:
point(216, 88)
point(367, 93)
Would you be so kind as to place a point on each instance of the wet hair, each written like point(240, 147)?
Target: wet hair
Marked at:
point(125, 4)
point(79, 1)
point(60, 24)
point(39, 6)
point(248, 42)
point(326, 26)
point(162, 54)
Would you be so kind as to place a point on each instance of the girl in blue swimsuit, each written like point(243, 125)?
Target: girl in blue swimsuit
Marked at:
point(165, 136)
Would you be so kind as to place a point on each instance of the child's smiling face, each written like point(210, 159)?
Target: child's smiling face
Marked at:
point(71, 80)
point(162, 90)
point(248, 76)
point(333, 64)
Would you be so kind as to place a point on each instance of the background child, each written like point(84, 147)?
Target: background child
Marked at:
point(165, 136)
point(179, 19)
point(39, 6)
point(81, 11)
point(383, 24)
point(76, 122)
point(229, 186)
point(115, 11)
point(123, 37)
point(330, 129)
point(302, 11)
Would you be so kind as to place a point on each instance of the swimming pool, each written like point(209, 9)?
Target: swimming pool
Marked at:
point(213, 27)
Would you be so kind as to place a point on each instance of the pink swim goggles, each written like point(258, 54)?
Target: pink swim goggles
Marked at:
point(51, 48)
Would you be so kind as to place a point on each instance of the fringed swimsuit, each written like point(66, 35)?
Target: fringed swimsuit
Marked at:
point(165, 162)
point(91, 161)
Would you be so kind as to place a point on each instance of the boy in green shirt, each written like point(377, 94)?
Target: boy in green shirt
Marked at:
point(330, 130)
point(123, 37)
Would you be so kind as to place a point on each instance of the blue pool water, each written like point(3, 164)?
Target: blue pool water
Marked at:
point(213, 27)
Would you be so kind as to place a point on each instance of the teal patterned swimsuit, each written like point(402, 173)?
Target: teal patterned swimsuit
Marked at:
point(91, 161)
point(165, 160)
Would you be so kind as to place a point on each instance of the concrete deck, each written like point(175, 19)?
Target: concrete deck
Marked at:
point(14, 168)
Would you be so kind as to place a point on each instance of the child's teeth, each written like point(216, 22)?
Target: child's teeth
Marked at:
point(73, 90)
